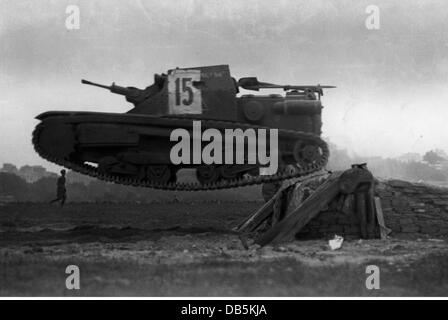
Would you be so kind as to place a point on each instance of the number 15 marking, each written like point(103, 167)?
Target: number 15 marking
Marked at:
point(186, 87)
point(183, 96)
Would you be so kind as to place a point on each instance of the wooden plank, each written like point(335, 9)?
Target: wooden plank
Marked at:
point(251, 223)
point(370, 212)
point(361, 212)
point(384, 231)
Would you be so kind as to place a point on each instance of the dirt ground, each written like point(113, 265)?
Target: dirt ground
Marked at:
point(189, 249)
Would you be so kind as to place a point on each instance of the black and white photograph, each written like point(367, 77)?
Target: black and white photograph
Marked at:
point(226, 150)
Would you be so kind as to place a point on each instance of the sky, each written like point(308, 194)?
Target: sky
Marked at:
point(391, 96)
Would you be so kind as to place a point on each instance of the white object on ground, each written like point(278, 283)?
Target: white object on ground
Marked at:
point(336, 242)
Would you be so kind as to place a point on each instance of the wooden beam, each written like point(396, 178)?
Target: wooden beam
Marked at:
point(252, 223)
point(370, 212)
point(361, 213)
point(384, 231)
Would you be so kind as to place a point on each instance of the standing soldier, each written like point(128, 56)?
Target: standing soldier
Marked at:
point(61, 193)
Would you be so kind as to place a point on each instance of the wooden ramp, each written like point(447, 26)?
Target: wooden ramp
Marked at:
point(357, 180)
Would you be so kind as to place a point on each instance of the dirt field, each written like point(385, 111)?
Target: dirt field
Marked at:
point(189, 249)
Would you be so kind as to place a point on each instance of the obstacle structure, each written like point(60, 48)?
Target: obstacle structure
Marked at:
point(296, 203)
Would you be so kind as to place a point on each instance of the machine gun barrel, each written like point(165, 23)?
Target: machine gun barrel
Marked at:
point(113, 88)
point(252, 83)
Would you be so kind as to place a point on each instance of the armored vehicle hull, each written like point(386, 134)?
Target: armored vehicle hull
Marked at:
point(135, 147)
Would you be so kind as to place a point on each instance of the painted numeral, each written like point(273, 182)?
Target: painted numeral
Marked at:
point(186, 87)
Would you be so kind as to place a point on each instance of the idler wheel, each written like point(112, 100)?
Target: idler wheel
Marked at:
point(159, 173)
point(306, 153)
point(207, 174)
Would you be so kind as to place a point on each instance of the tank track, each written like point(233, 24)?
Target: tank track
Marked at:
point(246, 180)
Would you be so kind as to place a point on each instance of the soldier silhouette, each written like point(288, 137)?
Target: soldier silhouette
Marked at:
point(61, 193)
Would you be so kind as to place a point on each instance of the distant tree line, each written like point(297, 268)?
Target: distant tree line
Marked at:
point(388, 168)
